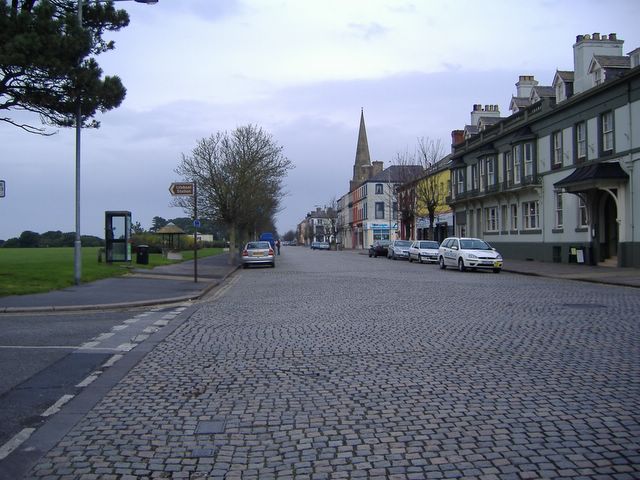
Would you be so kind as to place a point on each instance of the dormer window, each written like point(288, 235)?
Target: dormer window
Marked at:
point(598, 77)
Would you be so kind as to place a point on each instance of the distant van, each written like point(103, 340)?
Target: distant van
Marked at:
point(268, 237)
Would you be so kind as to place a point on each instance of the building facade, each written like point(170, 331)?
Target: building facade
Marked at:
point(558, 180)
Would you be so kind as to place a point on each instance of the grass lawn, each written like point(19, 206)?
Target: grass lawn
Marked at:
point(35, 270)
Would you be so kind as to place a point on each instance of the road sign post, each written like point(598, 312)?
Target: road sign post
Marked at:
point(188, 189)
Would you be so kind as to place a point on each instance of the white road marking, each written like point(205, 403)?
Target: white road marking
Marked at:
point(112, 360)
point(89, 345)
point(17, 440)
point(89, 380)
point(55, 408)
point(37, 347)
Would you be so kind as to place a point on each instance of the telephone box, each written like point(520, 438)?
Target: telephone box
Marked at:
point(117, 234)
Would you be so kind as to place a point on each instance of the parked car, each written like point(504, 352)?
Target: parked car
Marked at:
point(424, 251)
point(468, 253)
point(399, 249)
point(320, 246)
point(258, 253)
point(379, 248)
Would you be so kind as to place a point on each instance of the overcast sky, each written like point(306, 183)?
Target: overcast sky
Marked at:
point(300, 69)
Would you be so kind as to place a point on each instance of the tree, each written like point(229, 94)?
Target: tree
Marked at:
point(29, 239)
point(429, 192)
point(289, 236)
point(47, 63)
point(137, 228)
point(408, 172)
point(239, 180)
point(157, 223)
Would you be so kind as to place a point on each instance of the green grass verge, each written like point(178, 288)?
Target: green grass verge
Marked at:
point(36, 270)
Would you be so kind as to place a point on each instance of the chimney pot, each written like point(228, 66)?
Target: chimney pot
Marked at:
point(612, 36)
point(596, 36)
point(579, 38)
point(587, 37)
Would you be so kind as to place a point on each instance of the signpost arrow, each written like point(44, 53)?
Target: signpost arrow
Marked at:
point(182, 188)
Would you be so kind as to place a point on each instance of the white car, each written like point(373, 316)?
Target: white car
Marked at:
point(424, 251)
point(466, 253)
point(398, 249)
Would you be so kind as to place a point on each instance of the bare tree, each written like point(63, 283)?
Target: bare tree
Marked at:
point(428, 192)
point(409, 173)
point(239, 180)
point(331, 210)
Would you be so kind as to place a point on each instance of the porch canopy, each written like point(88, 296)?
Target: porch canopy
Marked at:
point(593, 176)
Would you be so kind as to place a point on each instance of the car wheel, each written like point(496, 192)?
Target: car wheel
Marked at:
point(496, 270)
point(410, 259)
point(461, 265)
point(442, 265)
point(419, 258)
point(245, 266)
point(370, 255)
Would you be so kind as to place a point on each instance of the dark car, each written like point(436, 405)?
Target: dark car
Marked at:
point(379, 248)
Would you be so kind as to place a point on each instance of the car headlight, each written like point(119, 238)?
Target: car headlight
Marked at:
point(499, 257)
point(471, 255)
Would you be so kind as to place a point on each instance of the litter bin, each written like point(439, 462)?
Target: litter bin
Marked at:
point(142, 255)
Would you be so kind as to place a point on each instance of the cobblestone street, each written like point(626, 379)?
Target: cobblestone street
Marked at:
point(336, 365)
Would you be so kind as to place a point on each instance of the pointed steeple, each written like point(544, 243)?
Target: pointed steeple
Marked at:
point(362, 166)
point(362, 150)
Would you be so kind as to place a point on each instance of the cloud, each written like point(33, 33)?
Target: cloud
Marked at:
point(368, 31)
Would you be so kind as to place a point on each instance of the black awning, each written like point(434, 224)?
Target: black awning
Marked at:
point(591, 174)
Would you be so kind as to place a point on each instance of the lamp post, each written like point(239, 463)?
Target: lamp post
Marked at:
point(77, 244)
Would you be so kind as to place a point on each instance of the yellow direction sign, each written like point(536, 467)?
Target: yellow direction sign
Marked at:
point(182, 188)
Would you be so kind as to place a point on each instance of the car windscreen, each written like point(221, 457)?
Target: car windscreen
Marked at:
point(433, 245)
point(474, 245)
point(403, 243)
point(258, 245)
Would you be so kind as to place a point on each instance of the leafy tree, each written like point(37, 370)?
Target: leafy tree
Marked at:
point(289, 236)
point(29, 239)
point(137, 228)
point(157, 223)
point(47, 63)
point(239, 178)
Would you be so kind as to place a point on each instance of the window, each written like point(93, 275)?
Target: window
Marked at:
point(558, 205)
point(503, 218)
point(581, 142)
point(460, 180)
point(379, 234)
point(379, 188)
point(508, 161)
point(517, 161)
point(474, 177)
point(556, 154)
point(528, 159)
point(491, 176)
point(514, 216)
point(491, 217)
point(395, 211)
point(583, 218)
point(597, 77)
point(607, 131)
point(483, 178)
point(530, 215)
point(379, 210)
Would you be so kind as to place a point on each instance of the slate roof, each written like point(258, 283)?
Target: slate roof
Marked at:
point(398, 174)
point(613, 61)
point(545, 91)
point(566, 76)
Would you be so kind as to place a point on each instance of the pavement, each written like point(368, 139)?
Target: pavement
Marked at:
point(175, 283)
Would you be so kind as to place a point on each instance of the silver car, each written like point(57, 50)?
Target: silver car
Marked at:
point(468, 253)
point(424, 251)
point(258, 253)
point(398, 249)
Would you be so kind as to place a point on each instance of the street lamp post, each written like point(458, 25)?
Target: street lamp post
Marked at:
point(77, 244)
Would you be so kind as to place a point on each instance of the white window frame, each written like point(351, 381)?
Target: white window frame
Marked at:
point(482, 172)
point(504, 217)
point(527, 153)
point(531, 215)
point(607, 131)
point(517, 161)
point(558, 209)
point(460, 180)
point(491, 176)
point(474, 177)
point(514, 216)
point(557, 148)
point(491, 219)
point(581, 140)
point(583, 214)
point(379, 188)
point(508, 160)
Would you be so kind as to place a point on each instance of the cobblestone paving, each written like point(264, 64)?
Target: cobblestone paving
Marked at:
point(335, 365)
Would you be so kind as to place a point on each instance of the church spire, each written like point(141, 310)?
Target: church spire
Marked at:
point(362, 150)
